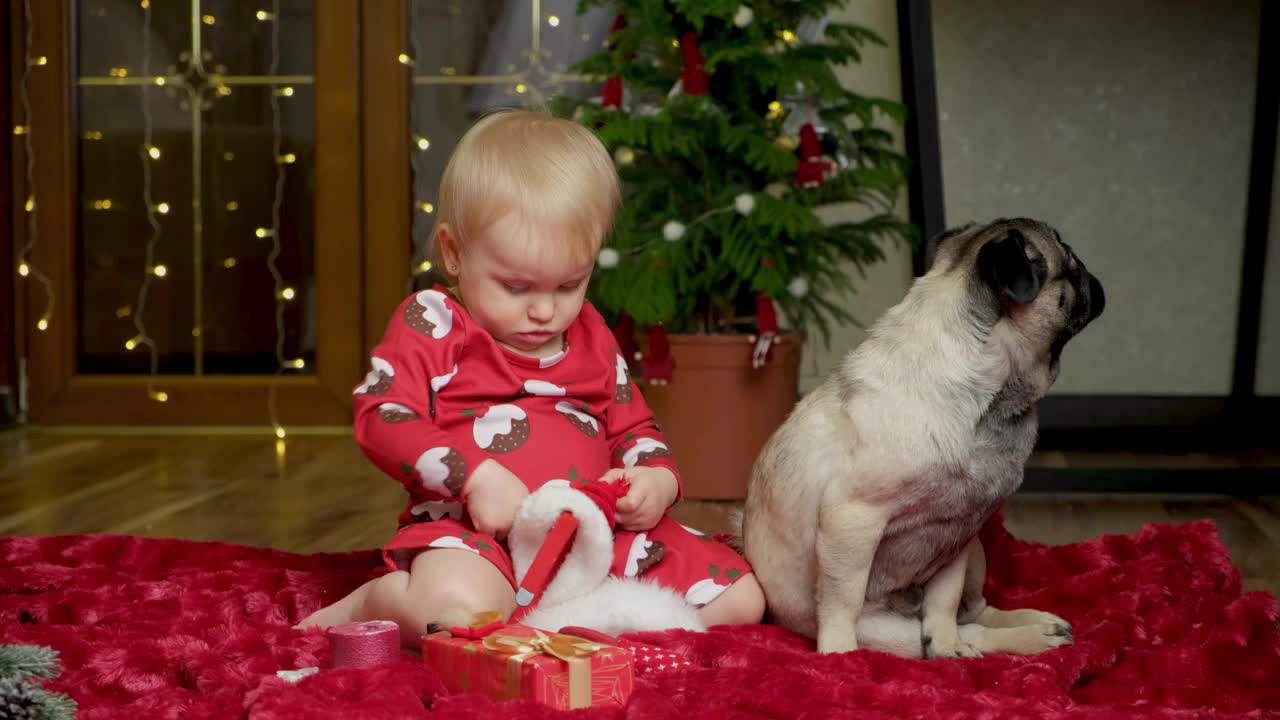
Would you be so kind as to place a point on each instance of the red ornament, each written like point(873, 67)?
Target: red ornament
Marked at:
point(767, 323)
point(810, 145)
point(619, 22)
point(624, 333)
point(812, 170)
point(612, 95)
point(692, 76)
point(657, 366)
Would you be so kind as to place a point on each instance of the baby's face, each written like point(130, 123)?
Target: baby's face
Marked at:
point(520, 287)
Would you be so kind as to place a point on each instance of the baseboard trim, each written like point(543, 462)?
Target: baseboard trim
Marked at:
point(1237, 482)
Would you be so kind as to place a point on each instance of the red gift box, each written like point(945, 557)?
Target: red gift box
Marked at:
point(516, 661)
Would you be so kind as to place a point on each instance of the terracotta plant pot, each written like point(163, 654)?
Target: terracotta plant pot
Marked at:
point(718, 411)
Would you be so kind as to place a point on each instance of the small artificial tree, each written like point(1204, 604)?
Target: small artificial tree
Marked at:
point(21, 697)
point(729, 127)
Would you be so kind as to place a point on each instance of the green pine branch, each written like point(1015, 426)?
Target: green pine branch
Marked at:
point(689, 157)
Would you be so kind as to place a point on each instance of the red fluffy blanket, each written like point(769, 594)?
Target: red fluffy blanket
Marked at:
point(175, 629)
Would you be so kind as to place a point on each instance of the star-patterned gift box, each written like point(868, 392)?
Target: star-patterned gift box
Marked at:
point(515, 661)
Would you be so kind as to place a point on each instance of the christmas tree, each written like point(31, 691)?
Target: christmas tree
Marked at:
point(21, 697)
point(729, 127)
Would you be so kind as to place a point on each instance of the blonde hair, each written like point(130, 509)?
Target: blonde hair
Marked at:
point(546, 170)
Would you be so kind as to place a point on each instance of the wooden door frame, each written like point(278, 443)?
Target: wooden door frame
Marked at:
point(57, 393)
point(388, 194)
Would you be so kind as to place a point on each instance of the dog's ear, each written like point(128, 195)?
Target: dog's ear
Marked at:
point(1012, 267)
point(932, 244)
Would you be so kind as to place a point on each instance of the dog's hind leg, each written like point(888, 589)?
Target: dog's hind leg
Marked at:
point(940, 635)
point(1023, 640)
point(974, 607)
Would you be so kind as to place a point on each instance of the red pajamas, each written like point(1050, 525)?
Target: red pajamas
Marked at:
point(443, 396)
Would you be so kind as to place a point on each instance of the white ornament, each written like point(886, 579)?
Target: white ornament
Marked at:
point(744, 203)
point(743, 17)
point(798, 287)
point(672, 231)
point(608, 258)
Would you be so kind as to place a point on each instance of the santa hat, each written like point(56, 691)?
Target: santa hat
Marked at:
point(581, 593)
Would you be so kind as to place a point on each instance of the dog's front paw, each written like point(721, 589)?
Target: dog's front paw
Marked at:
point(837, 642)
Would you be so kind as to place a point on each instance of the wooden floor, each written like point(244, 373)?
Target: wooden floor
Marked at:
point(317, 493)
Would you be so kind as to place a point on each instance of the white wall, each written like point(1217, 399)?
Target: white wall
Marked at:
point(880, 75)
point(1127, 125)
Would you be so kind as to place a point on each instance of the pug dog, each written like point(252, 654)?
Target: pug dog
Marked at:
point(862, 514)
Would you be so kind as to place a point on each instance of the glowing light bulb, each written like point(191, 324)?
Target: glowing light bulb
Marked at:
point(19, 129)
point(229, 263)
point(427, 207)
point(208, 19)
point(160, 270)
point(298, 363)
point(145, 4)
point(553, 21)
point(263, 15)
point(132, 342)
point(163, 208)
point(285, 91)
point(92, 135)
point(233, 206)
point(160, 81)
point(288, 158)
point(31, 203)
point(124, 311)
point(425, 266)
point(154, 152)
point(423, 143)
point(43, 324)
point(405, 59)
point(521, 88)
point(24, 269)
point(280, 433)
point(42, 60)
point(159, 396)
point(287, 293)
point(264, 232)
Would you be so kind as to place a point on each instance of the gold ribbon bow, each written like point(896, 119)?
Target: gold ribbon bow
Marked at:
point(576, 652)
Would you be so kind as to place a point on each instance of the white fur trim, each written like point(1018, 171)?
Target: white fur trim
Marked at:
point(616, 606)
point(587, 563)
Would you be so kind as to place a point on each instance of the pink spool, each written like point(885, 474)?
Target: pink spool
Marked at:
point(364, 644)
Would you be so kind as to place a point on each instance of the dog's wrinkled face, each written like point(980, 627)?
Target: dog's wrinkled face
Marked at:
point(1021, 272)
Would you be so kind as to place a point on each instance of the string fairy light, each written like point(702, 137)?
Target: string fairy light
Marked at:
point(26, 268)
point(151, 270)
point(281, 159)
point(419, 263)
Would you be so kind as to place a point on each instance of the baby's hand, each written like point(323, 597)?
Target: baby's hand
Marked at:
point(653, 489)
point(493, 495)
